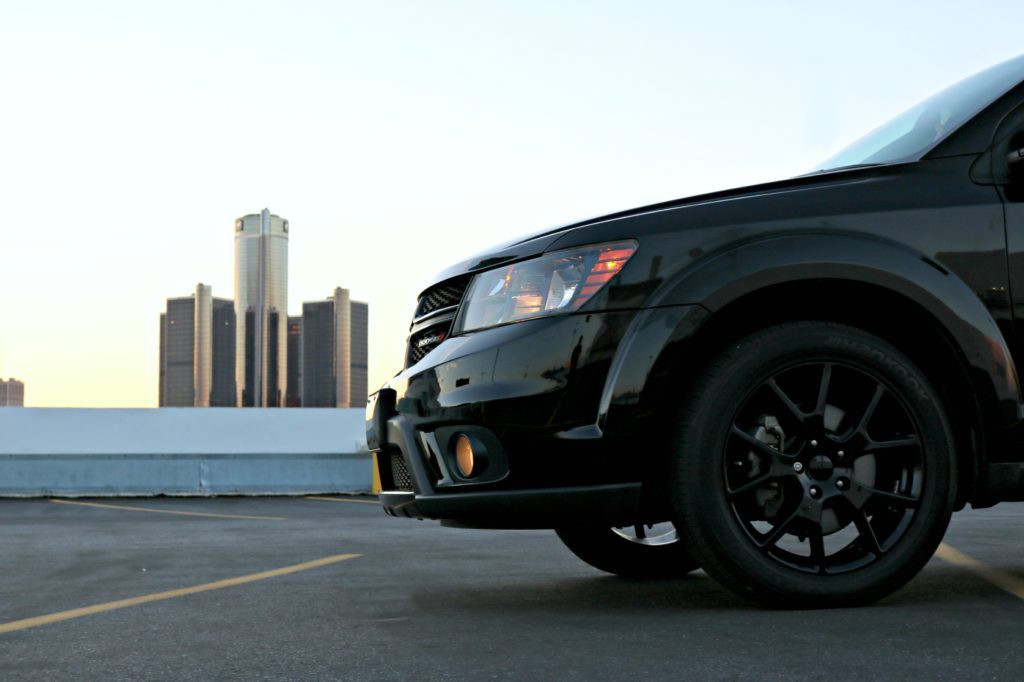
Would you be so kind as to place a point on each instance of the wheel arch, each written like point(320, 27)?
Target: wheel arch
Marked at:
point(920, 307)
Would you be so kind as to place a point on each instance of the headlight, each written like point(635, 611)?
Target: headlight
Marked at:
point(554, 283)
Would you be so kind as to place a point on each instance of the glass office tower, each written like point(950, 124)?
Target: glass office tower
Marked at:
point(360, 352)
point(318, 382)
point(197, 351)
point(334, 351)
point(293, 398)
point(261, 309)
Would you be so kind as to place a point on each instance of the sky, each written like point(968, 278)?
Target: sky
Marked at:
point(397, 137)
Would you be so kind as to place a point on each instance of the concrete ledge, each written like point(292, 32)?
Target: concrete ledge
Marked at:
point(182, 452)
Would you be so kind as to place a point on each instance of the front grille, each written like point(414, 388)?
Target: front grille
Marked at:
point(400, 478)
point(434, 336)
point(446, 295)
point(443, 295)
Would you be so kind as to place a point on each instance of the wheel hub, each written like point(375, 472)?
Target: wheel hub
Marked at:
point(820, 468)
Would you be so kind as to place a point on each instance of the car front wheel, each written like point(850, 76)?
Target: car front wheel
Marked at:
point(813, 466)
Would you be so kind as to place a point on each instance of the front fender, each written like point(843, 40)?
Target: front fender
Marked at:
point(712, 283)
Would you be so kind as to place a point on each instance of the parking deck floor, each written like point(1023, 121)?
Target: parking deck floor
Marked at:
point(330, 588)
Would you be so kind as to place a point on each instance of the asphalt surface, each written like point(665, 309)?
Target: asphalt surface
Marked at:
point(425, 602)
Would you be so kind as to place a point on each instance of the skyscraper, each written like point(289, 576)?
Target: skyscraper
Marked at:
point(334, 352)
point(197, 351)
point(12, 393)
point(318, 384)
point(261, 309)
point(360, 353)
point(293, 397)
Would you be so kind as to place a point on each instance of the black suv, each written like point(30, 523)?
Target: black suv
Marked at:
point(791, 385)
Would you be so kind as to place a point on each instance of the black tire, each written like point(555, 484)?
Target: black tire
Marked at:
point(813, 466)
point(628, 553)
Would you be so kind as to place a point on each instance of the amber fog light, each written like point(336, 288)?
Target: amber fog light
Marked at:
point(464, 456)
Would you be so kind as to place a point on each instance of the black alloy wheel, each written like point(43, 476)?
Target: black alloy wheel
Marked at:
point(813, 467)
point(638, 551)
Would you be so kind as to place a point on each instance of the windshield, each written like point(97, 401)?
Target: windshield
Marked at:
point(908, 136)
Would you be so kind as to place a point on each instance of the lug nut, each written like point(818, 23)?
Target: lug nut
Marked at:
point(798, 467)
point(840, 454)
point(842, 483)
point(815, 492)
point(814, 443)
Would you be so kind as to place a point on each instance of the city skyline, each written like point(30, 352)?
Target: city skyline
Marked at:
point(402, 137)
point(247, 351)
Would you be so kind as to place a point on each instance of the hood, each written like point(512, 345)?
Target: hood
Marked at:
point(537, 243)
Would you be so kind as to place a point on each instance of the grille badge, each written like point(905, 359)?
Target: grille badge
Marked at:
point(430, 340)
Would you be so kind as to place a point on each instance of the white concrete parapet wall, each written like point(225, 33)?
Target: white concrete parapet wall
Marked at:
point(182, 451)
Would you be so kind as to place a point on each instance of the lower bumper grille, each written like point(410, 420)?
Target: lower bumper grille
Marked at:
point(400, 478)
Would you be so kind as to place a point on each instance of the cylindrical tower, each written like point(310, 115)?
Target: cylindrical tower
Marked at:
point(261, 309)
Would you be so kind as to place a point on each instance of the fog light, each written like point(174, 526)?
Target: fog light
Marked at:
point(464, 457)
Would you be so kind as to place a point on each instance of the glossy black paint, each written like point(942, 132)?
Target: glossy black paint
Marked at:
point(928, 254)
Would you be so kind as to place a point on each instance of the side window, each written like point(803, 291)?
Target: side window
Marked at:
point(1003, 162)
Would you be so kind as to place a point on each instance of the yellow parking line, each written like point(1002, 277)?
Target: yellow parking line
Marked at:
point(340, 499)
point(1001, 579)
point(150, 510)
point(159, 596)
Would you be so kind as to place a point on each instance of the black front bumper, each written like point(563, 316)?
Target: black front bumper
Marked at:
point(521, 392)
point(410, 460)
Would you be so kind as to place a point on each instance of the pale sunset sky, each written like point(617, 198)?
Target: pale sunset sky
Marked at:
point(396, 137)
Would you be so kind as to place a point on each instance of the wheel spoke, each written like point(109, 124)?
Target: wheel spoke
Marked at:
point(869, 411)
point(749, 485)
point(826, 378)
point(905, 501)
point(867, 533)
point(790, 405)
point(777, 532)
point(817, 542)
point(760, 446)
point(874, 446)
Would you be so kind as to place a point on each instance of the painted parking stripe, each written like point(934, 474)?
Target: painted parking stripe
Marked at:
point(341, 499)
point(151, 510)
point(26, 623)
point(1001, 579)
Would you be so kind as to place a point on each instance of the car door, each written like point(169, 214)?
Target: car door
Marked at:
point(1006, 170)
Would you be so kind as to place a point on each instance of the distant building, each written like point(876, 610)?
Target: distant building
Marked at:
point(261, 309)
point(197, 351)
point(293, 397)
point(360, 354)
point(334, 352)
point(12, 393)
point(318, 382)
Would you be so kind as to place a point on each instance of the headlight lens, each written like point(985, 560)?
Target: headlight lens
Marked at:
point(557, 282)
